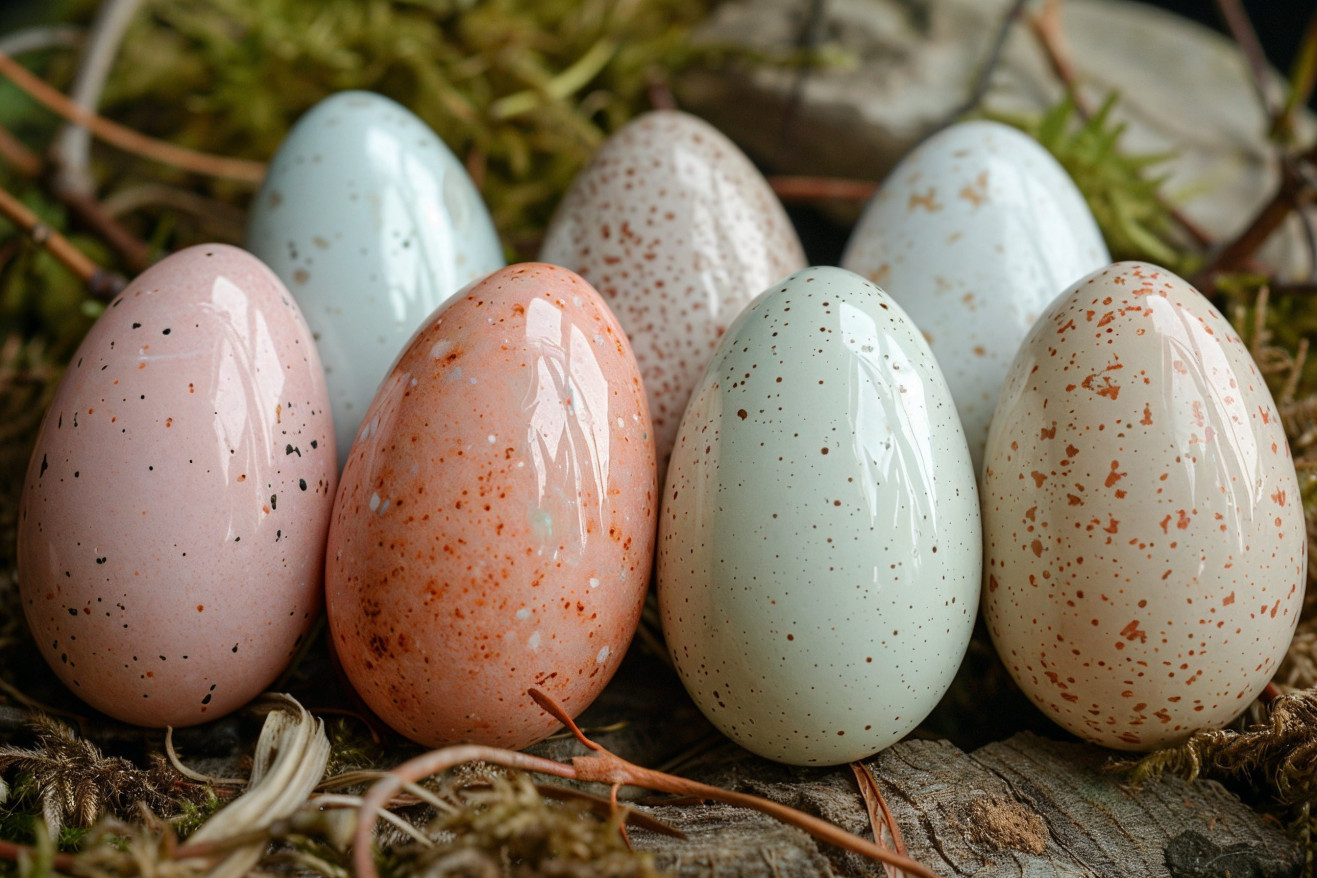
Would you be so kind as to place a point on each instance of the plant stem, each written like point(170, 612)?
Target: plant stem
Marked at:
point(601, 767)
point(103, 284)
point(984, 78)
point(85, 208)
point(37, 39)
point(1241, 29)
point(127, 139)
point(1292, 192)
point(71, 152)
point(1046, 26)
point(816, 188)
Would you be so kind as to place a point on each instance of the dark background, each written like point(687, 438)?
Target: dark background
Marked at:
point(1279, 24)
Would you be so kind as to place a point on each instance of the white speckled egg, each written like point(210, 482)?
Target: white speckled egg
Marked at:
point(494, 529)
point(1144, 536)
point(172, 526)
point(819, 548)
point(974, 233)
point(372, 223)
point(678, 231)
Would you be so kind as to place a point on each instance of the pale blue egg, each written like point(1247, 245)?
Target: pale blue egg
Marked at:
point(372, 223)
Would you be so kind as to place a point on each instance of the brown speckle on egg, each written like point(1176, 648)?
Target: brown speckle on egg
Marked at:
point(1114, 584)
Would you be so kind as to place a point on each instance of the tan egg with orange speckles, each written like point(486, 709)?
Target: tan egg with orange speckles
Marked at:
point(494, 525)
point(1144, 536)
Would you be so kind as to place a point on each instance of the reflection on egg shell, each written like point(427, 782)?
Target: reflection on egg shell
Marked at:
point(494, 527)
point(173, 519)
point(1145, 543)
point(372, 223)
point(819, 548)
point(973, 234)
point(678, 231)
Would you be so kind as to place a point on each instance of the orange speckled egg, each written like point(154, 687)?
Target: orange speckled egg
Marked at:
point(494, 526)
point(1144, 538)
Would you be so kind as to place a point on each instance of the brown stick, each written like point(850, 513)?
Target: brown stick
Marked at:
point(1292, 192)
point(815, 188)
point(126, 138)
point(102, 284)
point(602, 767)
point(1241, 29)
point(1046, 27)
point(85, 209)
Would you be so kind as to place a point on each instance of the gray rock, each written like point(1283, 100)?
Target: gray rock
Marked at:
point(910, 65)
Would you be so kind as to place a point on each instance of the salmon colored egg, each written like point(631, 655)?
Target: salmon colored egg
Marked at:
point(494, 527)
point(1144, 537)
point(679, 231)
point(172, 527)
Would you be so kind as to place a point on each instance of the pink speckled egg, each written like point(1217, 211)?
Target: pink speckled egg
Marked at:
point(172, 526)
point(1144, 537)
point(678, 231)
point(494, 527)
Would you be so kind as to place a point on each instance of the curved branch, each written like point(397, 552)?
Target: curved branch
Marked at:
point(71, 153)
point(102, 284)
point(127, 139)
point(600, 767)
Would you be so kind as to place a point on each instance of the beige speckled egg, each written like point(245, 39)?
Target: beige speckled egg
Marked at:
point(678, 231)
point(494, 527)
point(1144, 536)
point(172, 527)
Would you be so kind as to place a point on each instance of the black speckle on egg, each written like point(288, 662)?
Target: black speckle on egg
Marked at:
point(137, 326)
point(301, 483)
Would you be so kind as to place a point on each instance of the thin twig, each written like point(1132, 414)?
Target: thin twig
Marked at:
point(1046, 27)
point(71, 152)
point(102, 284)
point(1241, 29)
point(983, 80)
point(172, 755)
point(126, 138)
point(1291, 193)
point(16, 153)
point(85, 208)
point(599, 767)
point(816, 188)
point(39, 39)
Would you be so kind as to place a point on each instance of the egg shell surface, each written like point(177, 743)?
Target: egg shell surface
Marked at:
point(973, 234)
point(372, 222)
point(678, 231)
point(173, 519)
point(819, 552)
point(494, 528)
point(1145, 543)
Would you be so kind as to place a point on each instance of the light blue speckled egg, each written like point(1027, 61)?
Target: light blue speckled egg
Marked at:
point(819, 549)
point(372, 223)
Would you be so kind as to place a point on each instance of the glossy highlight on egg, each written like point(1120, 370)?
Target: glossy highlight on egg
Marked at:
point(678, 231)
point(973, 234)
point(1145, 540)
point(819, 546)
point(173, 519)
point(494, 527)
point(372, 223)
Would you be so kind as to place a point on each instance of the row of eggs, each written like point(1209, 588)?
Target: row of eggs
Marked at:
point(820, 550)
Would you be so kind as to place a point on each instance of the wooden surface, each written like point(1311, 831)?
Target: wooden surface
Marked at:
point(1024, 806)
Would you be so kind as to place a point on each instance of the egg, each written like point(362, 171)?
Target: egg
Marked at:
point(974, 233)
point(372, 223)
point(678, 231)
point(819, 549)
point(172, 524)
point(1145, 543)
point(494, 528)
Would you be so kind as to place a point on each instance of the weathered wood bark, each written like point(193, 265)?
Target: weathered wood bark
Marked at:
point(1025, 806)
